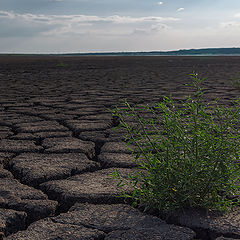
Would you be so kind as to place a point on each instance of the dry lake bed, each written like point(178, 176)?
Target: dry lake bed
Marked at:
point(58, 147)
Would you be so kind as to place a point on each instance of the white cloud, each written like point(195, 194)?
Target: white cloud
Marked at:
point(5, 14)
point(160, 3)
point(154, 29)
point(230, 24)
point(80, 24)
point(237, 15)
point(180, 9)
point(118, 19)
point(84, 18)
point(41, 32)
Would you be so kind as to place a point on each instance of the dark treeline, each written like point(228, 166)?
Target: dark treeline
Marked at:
point(182, 52)
point(206, 51)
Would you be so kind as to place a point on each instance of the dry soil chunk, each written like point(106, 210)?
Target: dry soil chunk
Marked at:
point(53, 134)
point(5, 157)
point(5, 173)
point(24, 136)
point(117, 135)
point(225, 238)
point(57, 116)
point(100, 136)
point(83, 111)
point(97, 117)
point(5, 132)
point(155, 233)
point(117, 160)
point(210, 225)
point(121, 219)
point(35, 168)
point(40, 135)
point(18, 146)
point(47, 229)
point(43, 126)
point(4, 129)
point(11, 221)
point(117, 147)
point(96, 187)
point(17, 196)
point(94, 136)
point(13, 118)
point(86, 125)
point(69, 145)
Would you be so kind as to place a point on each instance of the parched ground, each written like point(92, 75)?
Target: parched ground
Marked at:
point(58, 147)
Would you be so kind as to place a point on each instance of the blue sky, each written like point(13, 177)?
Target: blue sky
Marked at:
point(58, 26)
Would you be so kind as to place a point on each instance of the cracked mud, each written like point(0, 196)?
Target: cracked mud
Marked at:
point(58, 147)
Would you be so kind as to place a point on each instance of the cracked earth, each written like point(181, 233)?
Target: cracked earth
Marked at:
point(58, 147)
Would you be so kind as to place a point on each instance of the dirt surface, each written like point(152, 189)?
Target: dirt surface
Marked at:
point(58, 147)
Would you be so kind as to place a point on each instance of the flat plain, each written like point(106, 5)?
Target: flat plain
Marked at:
point(58, 147)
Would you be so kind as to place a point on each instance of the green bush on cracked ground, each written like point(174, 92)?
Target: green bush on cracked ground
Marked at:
point(188, 153)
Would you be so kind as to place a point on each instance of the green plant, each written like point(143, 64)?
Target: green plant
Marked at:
point(62, 64)
point(187, 153)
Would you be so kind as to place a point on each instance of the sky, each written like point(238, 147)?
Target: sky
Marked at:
point(71, 26)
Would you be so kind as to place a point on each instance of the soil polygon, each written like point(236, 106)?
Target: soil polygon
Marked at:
point(117, 147)
point(50, 134)
point(5, 157)
point(11, 221)
point(43, 126)
point(100, 137)
point(210, 225)
point(48, 229)
point(123, 218)
point(14, 195)
point(24, 136)
point(5, 173)
point(226, 238)
point(10, 119)
point(5, 132)
point(18, 146)
point(96, 187)
point(97, 117)
point(69, 145)
point(34, 168)
point(117, 160)
point(78, 126)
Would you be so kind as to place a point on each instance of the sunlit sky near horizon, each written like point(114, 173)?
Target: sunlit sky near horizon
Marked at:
point(60, 26)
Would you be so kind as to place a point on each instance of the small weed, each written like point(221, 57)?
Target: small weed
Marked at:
point(62, 64)
point(187, 154)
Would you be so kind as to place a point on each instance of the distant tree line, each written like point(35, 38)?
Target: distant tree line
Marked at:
point(206, 51)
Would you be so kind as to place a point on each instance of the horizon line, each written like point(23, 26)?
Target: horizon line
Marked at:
point(119, 52)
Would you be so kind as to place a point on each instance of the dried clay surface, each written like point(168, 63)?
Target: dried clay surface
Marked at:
point(58, 146)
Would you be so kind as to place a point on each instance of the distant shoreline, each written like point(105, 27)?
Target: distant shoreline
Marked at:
point(115, 55)
point(183, 52)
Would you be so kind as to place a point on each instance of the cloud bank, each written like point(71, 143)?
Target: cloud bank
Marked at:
point(77, 24)
point(51, 33)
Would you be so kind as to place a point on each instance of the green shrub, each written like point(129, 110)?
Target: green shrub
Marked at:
point(188, 153)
